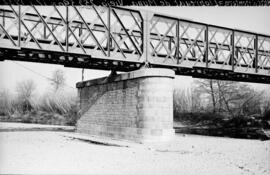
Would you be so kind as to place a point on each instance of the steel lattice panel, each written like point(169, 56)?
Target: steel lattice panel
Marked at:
point(78, 30)
point(108, 38)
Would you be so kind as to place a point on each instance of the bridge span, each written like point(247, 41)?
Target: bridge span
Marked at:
point(137, 105)
point(124, 39)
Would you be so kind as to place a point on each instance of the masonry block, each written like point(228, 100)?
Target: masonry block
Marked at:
point(136, 106)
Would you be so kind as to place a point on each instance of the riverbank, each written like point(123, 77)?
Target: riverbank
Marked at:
point(49, 152)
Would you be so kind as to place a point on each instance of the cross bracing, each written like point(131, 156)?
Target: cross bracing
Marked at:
point(123, 39)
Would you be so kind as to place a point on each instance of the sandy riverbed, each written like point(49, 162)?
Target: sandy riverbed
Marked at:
point(56, 152)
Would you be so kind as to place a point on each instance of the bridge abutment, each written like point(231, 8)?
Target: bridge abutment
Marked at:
point(136, 106)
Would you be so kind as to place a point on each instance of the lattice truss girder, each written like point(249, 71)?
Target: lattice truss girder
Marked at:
point(9, 27)
point(220, 47)
point(73, 29)
point(245, 50)
point(192, 44)
point(164, 40)
point(106, 33)
point(176, 41)
point(192, 41)
point(263, 52)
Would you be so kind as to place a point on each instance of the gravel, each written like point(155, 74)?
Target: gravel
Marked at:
point(32, 152)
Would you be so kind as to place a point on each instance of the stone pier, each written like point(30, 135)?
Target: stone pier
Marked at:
point(136, 106)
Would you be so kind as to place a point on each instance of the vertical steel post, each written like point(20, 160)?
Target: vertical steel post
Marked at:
point(82, 74)
point(44, 32)
point(146, 36)
point(67, 28)
point(206, 45)
point(256, 52)
point(177, 40)
point(109, 31)
point(80, 32)
point(170, 43)
point(233, 51)
point(3, 19)
point(19, 30)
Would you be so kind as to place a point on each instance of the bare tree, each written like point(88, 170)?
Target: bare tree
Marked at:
point(182, 101)
point(248, 102)
point(5, 103)
point(208, 87)
point(58, 79)
point(25, 90)
point(196, 102)
point(230, 97)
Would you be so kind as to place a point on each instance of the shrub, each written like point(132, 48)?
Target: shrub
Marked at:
point(266, 114)
point(201, 119)
point(52, 108)
point(60, 107)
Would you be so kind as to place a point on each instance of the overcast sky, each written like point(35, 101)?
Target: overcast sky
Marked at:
point(254, 19)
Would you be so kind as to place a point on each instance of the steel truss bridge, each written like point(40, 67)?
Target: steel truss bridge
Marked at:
point(123, 39)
